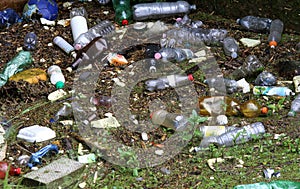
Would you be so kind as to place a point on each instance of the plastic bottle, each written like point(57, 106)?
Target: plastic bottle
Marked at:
point(103, 28)
point(169, 120)
point(230, 84)
point(157, 10)
point(272, 91)
point(278, 184)
point(276, 30)
point(250, 67)
point(123, 12)
point(78, 21)
point(220, 105)
point(9, 17)
point(30, 41)
point(295, 106)
point(265, 79)
point(211, 37)
point(174, 54)
point(4, 167)
point(64, 45)
point(230, 47)
point(254, 23)
point(168, 81)
point(236, 136)
point(185, 21)
point(56, 76)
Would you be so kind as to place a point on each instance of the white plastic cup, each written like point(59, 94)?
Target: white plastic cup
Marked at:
point(78, 26)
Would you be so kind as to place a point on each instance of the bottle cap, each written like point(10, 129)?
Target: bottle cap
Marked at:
point(190, 77)
point(264, 110)
point(17, 171)
point(157, 56)
point(234, 55)
point(59, 85)
point(77, 46)
point(178, 19)
point(272, 44)
point(124, 22)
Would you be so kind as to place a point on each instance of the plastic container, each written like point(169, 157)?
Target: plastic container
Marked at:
point(174, 54)
point(64, 45)
point(9, 17)
point(278, 184)
point(272, 91)
point(78, 23)
point(158, 10)
point(56, 76)
point(265, 79)
point(276, 30)
point(123, 12)
point(169, 81)
point(102, 29)
point(236, 136)
point(30, 41)
point(230, 47)
point(252, 66)
point(36, 133)
point(169, 120)
point(295, 106)
point(254, 23)
point(6, 167)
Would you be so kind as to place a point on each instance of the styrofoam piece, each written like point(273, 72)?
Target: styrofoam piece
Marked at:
point(36, 133)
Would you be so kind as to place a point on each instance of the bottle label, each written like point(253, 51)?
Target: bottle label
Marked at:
point(213, 130)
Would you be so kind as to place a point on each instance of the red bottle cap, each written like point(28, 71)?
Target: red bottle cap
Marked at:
point(190, 77)
point(124, 22)
point(17, 171)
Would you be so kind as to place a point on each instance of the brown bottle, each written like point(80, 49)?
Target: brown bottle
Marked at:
point(251, 108)
point(4, 166)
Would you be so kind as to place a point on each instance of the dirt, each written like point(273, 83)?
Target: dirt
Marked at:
point(18, 97)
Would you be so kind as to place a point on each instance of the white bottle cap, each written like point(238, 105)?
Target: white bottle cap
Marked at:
point(78, 26)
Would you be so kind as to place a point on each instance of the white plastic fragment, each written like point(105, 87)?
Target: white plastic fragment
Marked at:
point(242, 83)
point(118, 82)
point(36, 133)
point(47, 22)
point(64, 22)
point(250, 42)
point(144, 136)
point(159, 152)
point(57, 95)
point(82, 185)
point(222, 119)
point(107, 122)
point(88, 158)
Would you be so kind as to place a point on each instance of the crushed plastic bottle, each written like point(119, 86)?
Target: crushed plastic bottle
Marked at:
point(103, 28)
point(230, 47)
point(56, 76)
point(64, 45)
point(123, 12)
point(30, 41)
point(157, 10)
point(78, 22)
point(277, 184)
point(169, 120)
point(6, 167)
point(185, 21)
point(174, 54)
point(224, 105)
point(168, 81)
point(236, 136)
point(295, 106)
point(9, 17)
point(250, 67)
point(254, 23)
point(265, 79)
point(217, 83)
point(272, 91)
point(276, 30)
point(17, 64)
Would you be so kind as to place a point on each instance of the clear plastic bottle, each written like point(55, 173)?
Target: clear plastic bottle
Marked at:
point(250, 67)
point(169, 120)
point(272, 91)
point(265, 79)
point(79, 24)
point(236, 136)
point(254, 23)
point(276, 30)
point(231, 47)
point(103, 28)
point(123, 12)
point(185, 21)
point(56, 76)
point(157, 10)
point(168, 81)
point(64, 45)
point(5, 167)
point(174, 54)
point(295, 106)
point(30, 41)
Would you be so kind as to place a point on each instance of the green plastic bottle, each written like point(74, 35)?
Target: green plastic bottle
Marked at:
point(123, 12)
point(279, 184)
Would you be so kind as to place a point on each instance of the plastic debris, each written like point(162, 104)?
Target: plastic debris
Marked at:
point(278, 184)
point(265, 79)
point(296, 81)
point(117, 59)
point(36, 133)
point(108, 122)
point(231, 47)
point(78, 21)
point(255, 23)
point(208, 131)
point(272, 91)
point(88, 158)
point(55, 95)
point(250, 42)
point(276, 30)
point(32, 76)
point(56, 76)
point(295, 106)
point(35, 158)
point(48, 9)
point(9, 17)
point(6, 167)
point(168, 81)
point(30, 41)
point(211, 162)
point(3, 143)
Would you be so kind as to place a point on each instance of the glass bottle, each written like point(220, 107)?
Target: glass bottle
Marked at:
point(123, 12)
